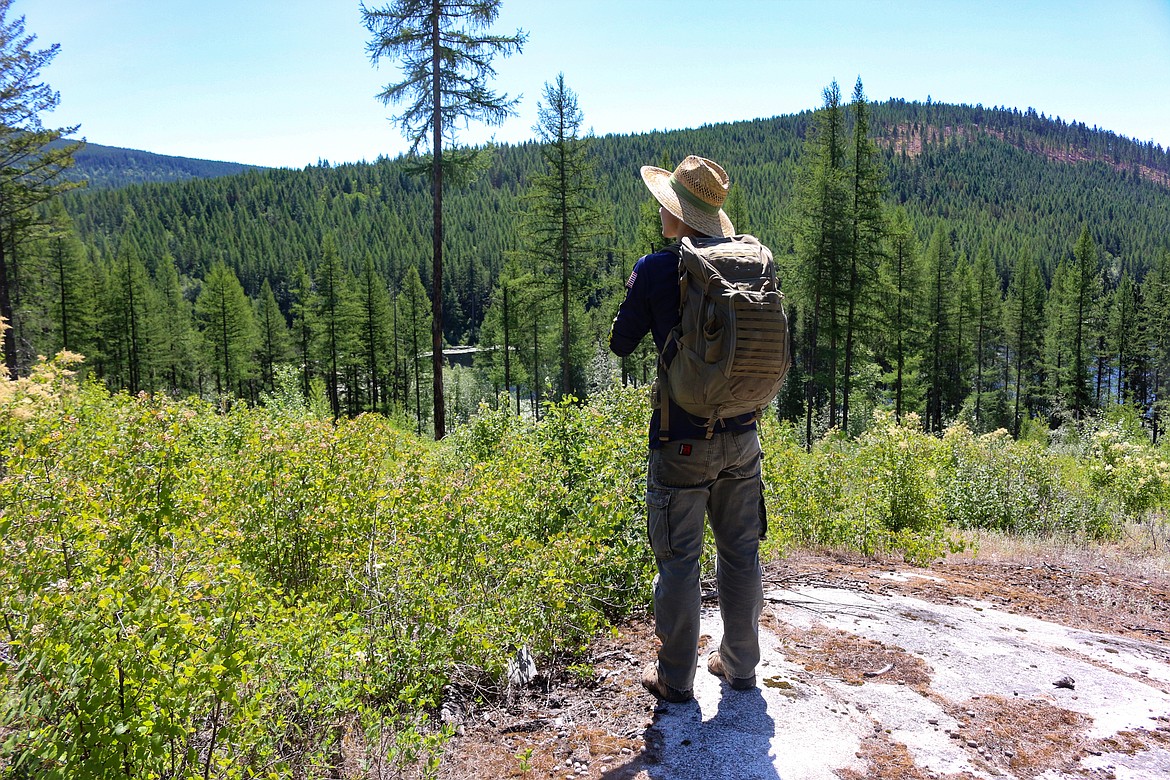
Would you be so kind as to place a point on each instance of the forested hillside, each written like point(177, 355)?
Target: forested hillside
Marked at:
point(103, 167)
point(326, 269)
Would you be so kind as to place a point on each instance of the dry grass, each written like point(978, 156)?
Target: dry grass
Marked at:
point(1131, 556)
point(850, 658)
point(1027, 738)
point(886, 759)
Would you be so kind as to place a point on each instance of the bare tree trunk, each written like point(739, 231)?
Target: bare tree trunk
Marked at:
point(437, 266)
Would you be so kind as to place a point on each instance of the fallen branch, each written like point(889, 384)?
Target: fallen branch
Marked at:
point(879, 672)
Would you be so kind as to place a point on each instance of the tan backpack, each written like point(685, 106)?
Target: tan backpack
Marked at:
point(729, 353)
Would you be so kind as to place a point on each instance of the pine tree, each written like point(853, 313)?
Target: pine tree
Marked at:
point(988, 327)
point(229, 329)
point(939, 323)
point(74, 314)
point(501, 333)
point(305, 328)
point(962, 347)
point(1024, 316)
point(335, 316)
point(867, 224)
point(562, 221)
point(902, 328)
point(31, 160)
point(375, 331)
point(1086, 291)
point(446, 58)
point(1059, 328)
point(412, 306)
point(1156, 323)
point(1125, 342)
point(821, 233)
point(736, 209)
point(274, 345)
point(127, 314)
point(177, 337)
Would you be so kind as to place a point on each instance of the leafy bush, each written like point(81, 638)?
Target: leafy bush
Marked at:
point(1132, 473)
point(876, 495)
point(993, 482)
point(264, 593)
point(187, 592)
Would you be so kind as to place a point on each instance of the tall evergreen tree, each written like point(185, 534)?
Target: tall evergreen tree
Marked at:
point(446, 56)
point(31, 160)
point(412, 307)
point(562, 221)
point(178, 340)
point(74, 314)
point(305, 328)
point(1060, 326)
point(821, 233)
point(127, 321)
point(939, 323)
point(988, 321)
point(375, 330)
point(901, 313)
point(274, 345)
point(229, 329)
point(334, 313)
point(1024, 317)
point(962, 346)
point(1086, 290)
point(867, 224)
point(1156, 323)
point(1126, 343)
point(736, 209)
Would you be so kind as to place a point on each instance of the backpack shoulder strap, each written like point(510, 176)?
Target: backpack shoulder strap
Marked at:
point(662, 396)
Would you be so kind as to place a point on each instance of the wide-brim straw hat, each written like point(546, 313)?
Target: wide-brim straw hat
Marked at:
point(694, 193)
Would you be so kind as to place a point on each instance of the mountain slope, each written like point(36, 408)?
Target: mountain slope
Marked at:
point(104, 167)
point(1012, 179)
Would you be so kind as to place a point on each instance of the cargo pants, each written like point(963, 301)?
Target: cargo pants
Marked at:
point(718, 478)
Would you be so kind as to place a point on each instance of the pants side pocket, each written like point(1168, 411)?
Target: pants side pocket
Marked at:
point(658, 522)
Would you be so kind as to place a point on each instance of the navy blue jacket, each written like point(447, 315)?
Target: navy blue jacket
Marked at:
point(651, 306)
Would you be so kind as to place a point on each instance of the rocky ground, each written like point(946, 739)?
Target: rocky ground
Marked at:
point(1027, 663)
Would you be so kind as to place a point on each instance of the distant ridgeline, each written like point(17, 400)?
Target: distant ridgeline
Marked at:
point(105, 167)
point(1011, 178)
point(1015, 182)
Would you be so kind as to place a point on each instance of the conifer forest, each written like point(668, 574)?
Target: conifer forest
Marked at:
point(987, 264)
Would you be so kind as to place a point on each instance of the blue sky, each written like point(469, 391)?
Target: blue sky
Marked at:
point(288, 82)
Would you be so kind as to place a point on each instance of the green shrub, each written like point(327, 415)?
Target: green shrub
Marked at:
point(247, 593)
point(877, 494)
point(993, 482)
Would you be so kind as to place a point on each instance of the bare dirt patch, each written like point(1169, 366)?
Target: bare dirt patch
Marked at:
point(576, 723)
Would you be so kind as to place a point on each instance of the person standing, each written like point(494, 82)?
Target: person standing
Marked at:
point(696, 469)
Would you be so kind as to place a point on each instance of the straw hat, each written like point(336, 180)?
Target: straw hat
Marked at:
point(694, 193)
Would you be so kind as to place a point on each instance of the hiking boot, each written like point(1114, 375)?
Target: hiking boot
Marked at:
point(660, 689)
point(715, 667)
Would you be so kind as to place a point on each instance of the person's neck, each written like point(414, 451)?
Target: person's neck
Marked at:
point(686, 231)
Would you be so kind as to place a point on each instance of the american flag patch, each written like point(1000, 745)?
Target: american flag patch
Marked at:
point(630, 281)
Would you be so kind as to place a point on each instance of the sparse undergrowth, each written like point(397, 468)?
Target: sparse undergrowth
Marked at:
point(262, 593)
